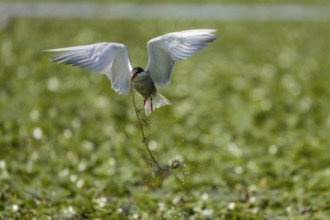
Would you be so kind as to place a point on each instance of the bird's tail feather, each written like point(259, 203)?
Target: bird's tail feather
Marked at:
point(158, 100)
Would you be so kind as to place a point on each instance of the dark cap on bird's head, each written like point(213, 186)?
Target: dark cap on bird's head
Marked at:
point(135, 71)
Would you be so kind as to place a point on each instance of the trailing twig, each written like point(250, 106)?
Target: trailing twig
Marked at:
point(141, 123)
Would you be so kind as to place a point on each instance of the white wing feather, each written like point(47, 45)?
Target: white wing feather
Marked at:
point(164, 51)
point(110, 59)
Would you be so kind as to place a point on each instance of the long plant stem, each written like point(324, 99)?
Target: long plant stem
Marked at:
point(140, 124)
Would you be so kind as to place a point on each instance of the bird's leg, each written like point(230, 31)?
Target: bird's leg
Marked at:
point(144, 101)
point(151, 106)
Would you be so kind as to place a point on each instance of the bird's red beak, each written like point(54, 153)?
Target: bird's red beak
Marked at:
point(133, 77)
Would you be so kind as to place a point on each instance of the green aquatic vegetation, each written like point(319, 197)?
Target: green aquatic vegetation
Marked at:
point(249, 120)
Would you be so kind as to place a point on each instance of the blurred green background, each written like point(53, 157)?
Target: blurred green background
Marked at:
point(325, 2)
point(250, 120)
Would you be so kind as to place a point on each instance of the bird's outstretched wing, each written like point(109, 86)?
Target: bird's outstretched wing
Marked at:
point(110, 59)
point(164, 51)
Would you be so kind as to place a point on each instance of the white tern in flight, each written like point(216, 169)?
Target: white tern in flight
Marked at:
point(112, 60)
